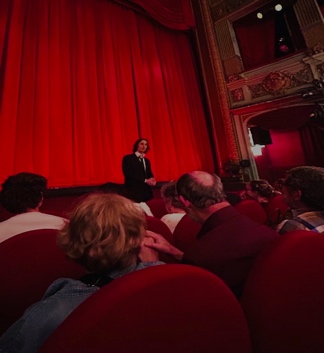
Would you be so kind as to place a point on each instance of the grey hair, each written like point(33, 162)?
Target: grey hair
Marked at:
point(201, 188)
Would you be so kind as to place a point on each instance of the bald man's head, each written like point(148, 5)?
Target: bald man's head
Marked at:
point(201, 188)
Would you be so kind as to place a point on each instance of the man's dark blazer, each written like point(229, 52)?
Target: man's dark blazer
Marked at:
point(135, 176)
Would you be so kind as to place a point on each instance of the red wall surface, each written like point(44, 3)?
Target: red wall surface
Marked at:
point(284, 153)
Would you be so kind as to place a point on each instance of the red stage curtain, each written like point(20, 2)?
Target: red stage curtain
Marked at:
point(256, 40)
point(175, 14)
point(312, 138)
point(81, 80)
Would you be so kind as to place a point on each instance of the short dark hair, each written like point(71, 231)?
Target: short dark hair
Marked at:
point(200, 193)
point(136, 143)
point(310, 181)
point(262, 187)
point(114, 188)
point(22, 191)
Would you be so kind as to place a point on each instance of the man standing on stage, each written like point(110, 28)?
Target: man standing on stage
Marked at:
point(137, 171)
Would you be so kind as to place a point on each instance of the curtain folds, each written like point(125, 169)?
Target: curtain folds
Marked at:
point(256, 40)
point(174, 14)
point(81, 80)
point(312, 139)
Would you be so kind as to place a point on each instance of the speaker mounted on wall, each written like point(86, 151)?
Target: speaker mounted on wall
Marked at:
point(260, 136)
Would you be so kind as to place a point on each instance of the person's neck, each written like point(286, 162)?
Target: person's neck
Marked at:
point(33, 209)
point(177, 210)
point(299, 205)
point(203, 215)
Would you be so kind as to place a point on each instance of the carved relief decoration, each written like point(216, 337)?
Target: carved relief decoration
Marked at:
point(226, 7)
point(233, 78)
point(237, 95)
point(318, 48)
point(257, 90)
point(320, 69)
point(277, 83)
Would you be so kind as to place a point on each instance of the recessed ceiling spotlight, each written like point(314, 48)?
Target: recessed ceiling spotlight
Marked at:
point(259, 15)
point(278, 7)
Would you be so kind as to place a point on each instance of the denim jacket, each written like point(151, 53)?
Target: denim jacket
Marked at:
point(38, 321)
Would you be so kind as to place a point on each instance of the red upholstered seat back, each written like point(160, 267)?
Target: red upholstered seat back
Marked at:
point(185, 233)
point(168, 308)
point(157, 226)
point(30, 262)
point(157, 207)
point(253, 210)
point(283, 298)
point(4, 214)
point(276, 208)
point(61, 206)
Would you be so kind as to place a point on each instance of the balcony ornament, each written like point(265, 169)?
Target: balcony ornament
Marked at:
point(276, 83)
point(318, 88)
point(318, 48)
point(233, 78)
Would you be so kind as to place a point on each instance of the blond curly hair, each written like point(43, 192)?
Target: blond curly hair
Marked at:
point(105, 233)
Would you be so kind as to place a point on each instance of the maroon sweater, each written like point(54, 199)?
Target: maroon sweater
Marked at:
point(228, 244)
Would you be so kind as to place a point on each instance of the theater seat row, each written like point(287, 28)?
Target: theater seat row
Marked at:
point(178, 308)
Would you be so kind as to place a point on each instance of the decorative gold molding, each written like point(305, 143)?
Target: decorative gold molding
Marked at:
point(226, 7)
point(237, 95)
point(278, 83)
point(216, 61)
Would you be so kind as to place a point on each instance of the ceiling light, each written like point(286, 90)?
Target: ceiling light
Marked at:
point(259, 15)
point(278, 7)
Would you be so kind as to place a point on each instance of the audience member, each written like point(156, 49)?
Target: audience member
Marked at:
point(173, 205)
point(22, 195)
point(137, 171)
point(228, 241)
point(105, 235)
point(303, 190)
point(277, 184)
point(260, 190)
point(232, 198)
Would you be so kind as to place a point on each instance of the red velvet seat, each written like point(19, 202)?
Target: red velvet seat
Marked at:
point(276, 208)
point(60, 206)
point(283, 298)
point(157, 207)
point(253, 210)
point(4, 214)
point(157, 226)
point(30, 262)
point(185, 233)
point(168, 308)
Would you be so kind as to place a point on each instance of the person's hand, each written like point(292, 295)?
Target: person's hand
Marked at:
point(162, 245)
point(243, 195)
point(146, 253)
point(151, 181)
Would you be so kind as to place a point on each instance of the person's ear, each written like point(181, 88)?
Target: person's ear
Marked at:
point(185, 202)
point(296, 195)
point(41, 201)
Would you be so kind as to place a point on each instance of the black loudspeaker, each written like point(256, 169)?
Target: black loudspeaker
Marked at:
point(245, 163)
point(260, 136)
